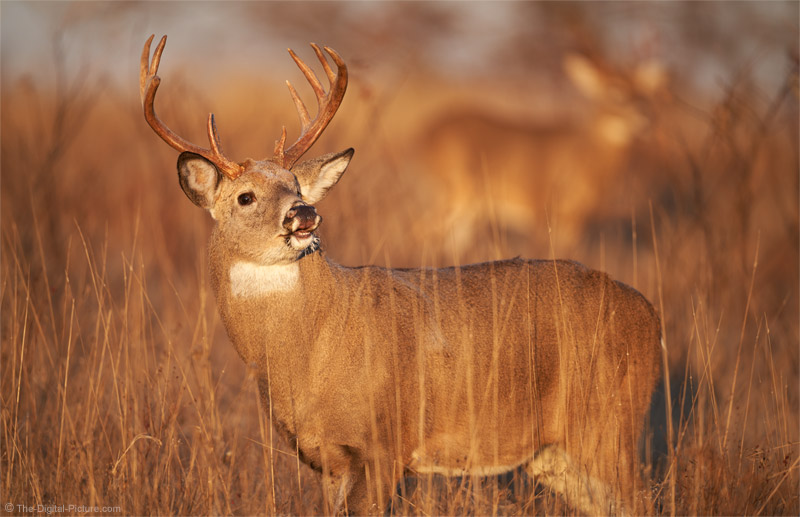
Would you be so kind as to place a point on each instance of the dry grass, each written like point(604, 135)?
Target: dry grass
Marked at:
point(120, 389)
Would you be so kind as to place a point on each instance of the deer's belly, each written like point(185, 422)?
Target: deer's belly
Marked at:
point(464, 464)
point(455, 454)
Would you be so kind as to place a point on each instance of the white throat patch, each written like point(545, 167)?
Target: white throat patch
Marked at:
point(250, 280)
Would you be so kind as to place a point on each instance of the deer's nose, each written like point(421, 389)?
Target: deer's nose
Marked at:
point(302, 218)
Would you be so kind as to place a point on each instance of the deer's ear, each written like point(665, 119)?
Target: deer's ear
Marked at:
point(199, 179)
point(318, 175)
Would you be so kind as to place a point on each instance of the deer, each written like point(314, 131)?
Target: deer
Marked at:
point(498, 166)
point(373, 374)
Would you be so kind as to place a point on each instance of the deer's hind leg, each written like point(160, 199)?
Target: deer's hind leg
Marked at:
point(597, 471)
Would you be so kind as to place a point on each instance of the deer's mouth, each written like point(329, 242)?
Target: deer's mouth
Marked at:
point(300, 239)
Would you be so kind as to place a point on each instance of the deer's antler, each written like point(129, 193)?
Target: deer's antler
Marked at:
point(328, 104)
point(285, 157)
point(148, 85)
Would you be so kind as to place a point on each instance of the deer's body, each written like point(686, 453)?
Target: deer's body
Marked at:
point(372, 372)
point(511, 173)
point(450, 371)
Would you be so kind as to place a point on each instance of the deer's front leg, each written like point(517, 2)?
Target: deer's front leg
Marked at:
point(340, 473)
point(354, 492)
point(336, 488)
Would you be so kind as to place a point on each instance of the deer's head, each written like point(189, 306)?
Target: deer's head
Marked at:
point(263, 208)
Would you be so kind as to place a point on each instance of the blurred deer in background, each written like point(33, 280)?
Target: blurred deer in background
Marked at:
point(510, 169)
point(375, 373)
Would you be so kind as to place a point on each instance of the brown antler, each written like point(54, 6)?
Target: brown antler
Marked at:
point(148, 85)
point(328, 104)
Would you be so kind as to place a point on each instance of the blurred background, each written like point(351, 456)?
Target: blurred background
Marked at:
point(655, 141)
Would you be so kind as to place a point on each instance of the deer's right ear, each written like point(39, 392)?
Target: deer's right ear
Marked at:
point(199, 179)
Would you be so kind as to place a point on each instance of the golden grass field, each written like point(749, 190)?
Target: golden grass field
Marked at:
point(120, 389)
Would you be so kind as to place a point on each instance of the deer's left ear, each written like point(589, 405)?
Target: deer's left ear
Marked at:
point(318, 175)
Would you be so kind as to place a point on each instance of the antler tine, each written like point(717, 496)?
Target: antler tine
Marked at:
point(325, 65)
point(213, 138)
point(328, 105)
point(148, 86)
point(144, 67)
point(302, 112)
point(279, 144)
point(311, 77)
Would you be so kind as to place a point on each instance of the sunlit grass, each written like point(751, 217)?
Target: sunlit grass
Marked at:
point(121, 390)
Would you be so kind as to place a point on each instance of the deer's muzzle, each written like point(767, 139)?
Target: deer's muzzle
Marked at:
point(302, 218)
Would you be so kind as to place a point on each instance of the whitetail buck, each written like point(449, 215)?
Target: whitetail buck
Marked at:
point(509, 170)
point(374, 373)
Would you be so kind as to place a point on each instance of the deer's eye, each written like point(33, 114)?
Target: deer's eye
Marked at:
point(246, 198)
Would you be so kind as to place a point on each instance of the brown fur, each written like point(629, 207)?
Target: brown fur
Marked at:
point(372, 373)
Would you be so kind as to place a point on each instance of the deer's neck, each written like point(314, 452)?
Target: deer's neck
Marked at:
point(251, 280)
point(266, 307)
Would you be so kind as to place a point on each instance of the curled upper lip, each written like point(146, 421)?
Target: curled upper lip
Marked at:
point(289, 234)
